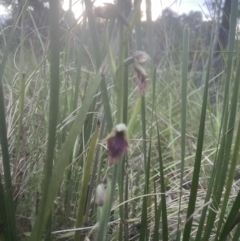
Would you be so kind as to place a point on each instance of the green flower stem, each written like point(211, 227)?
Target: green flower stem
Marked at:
point(103, 224)
point(183, 115)
point(21, 94)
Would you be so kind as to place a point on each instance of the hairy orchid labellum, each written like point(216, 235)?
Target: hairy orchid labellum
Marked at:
point(141, 75)
point(117, 143)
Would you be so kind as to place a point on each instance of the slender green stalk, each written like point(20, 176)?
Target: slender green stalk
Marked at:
point(158, 211)
point(119, 77)
point(144, 220)
point(236, 149)
point(236, 234)
point(120, 102)
point(232, 217)
point(3, 214)
point(21, 93)
point(144, 215)
point(75, 103)
point(163, 192)
point(197, 163)
point(183, 116)
point(84, 184)
point(125, 91)
point(54, 102)
point(111, 61)
point(138, 24)
point(10, 209)
point(149, 27)
point(209, 191)
point(103, 224)
point(225, 147)
point(95, 173)
point(63, 160)
point(133, 118)
point(98, 61)
point(37, 30)
point(54, 89)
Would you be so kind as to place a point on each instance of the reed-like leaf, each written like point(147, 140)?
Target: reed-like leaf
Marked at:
point(144, 216)
point(235, 156)
point(232, 219)
point(237, 233)
point(103, 223)
point(64, 156)
point(85, 180)
point(163, 192)
point(158, 211)
point(6, 231)
point(222, 158)
point(138, 24)
point(21, 86)
point(98, 61)
point(185, 54)
point(197, 163)
point(54, 103)
point(10, 209)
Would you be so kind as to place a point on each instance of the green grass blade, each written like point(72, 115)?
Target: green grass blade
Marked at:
point(157, 210)
point(125, 92)
point(225, 147)
point(64, 156)
point(54, 87)
point(163, 192)
point(144, 217)
point(85, 181)
point(183, 114)
point(6, 231)
point(111, 61)
point(3, 135)
point(122, 209)
point(138, 24)
point(133, 118)
point(78, 75)
point(197, 163)
point(149, 27)
point(21, 93)
point(98, 62)
point(236, 234)
point(106, 104)
point(231, 218)
point(210, 185)
point(54, 102)
point(103, 224)
point(236, 148)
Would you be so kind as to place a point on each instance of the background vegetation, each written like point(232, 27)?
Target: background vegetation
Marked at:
point(65, 83)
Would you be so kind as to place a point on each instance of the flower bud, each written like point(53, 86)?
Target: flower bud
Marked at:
point(100, 195)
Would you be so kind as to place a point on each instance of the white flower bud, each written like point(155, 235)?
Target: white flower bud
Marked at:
point(100, 195)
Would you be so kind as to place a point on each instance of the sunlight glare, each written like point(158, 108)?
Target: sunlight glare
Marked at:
point(77, 7)
point(183, 6)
